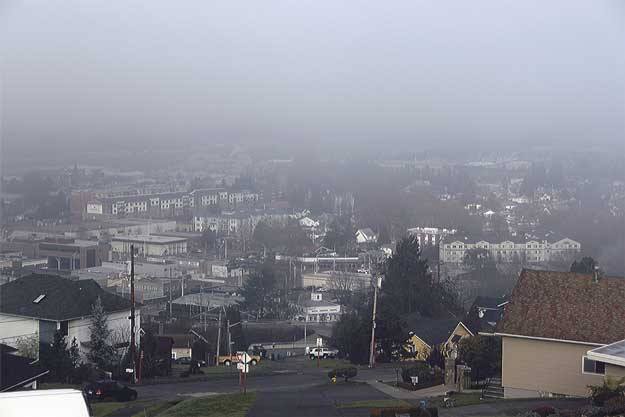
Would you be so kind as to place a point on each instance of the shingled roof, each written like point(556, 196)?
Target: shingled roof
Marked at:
point(566, 306)
point(63, 299)
point(431, 331)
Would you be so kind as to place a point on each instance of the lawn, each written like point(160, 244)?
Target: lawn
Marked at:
point(374, 404)
point(232, 405)
point(106, 408)
point(461, 400)
point(156, 409)
point(328, 363)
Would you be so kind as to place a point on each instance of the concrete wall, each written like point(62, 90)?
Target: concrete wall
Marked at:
point(532, 368)
point(13, 328)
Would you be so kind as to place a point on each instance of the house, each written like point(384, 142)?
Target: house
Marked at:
point(426, 334)
point(17, 372)
point(366, 235)
point(611, 356)
point(36, 306)
point(551, 322)
point(484, 314)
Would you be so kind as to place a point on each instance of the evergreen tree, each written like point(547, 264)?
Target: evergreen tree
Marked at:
point(56, 358)
point(586, 265)
point(102, 352)
point(74, 353)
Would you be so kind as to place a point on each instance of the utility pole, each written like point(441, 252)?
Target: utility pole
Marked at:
point(218, 338)
point(170, 285)
point(376, 284)
point(229, 339)
point(132, 314)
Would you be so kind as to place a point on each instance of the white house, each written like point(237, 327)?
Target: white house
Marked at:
point(366, 235)
point(34, 307)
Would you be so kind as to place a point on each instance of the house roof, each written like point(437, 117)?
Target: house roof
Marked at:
point(613, 354)
point(63, 299)
point(431, 331)
point(491, 309)
point(566, 306)
point(366, 232)
point(17, 371)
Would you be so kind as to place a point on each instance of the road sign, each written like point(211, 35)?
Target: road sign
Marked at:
point(243, 357)
point(319, 342)
point(243, 367)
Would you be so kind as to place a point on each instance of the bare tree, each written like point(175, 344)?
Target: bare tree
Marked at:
point(341, 285)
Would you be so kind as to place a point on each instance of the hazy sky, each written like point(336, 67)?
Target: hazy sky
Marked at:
point(118, 71)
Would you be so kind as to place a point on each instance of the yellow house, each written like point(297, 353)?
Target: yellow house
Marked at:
point(426, 334)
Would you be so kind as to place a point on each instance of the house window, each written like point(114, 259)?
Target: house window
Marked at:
point(593, 367)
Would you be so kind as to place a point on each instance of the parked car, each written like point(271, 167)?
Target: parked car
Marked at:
point(230, 360)
point(102, 390)
point(48, 402)
point(322, 352)
point(183, 360)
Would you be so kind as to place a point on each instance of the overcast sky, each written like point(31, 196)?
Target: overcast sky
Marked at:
point(102, 73)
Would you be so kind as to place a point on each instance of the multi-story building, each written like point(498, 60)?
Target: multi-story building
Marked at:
point(70, 254)
point(531, 251)
point(168, 203)
point(237, 223)
point(430, 235)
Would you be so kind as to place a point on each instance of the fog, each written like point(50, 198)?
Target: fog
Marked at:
point(91, 75)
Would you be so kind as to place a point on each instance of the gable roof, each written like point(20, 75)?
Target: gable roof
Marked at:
point(431, 331)
point(491, 314)
point(366, 232)
point(566, 306)
point(63, 299)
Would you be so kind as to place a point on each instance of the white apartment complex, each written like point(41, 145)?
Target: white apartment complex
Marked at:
point(531, 251)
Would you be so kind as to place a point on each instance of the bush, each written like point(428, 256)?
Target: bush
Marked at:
point(615, 405)
point(610, 389)
point(345, 373)
point(544, 410)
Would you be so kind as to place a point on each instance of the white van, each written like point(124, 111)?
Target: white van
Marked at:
point(47, 402)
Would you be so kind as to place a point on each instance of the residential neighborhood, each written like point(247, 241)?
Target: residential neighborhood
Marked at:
point(354, 209)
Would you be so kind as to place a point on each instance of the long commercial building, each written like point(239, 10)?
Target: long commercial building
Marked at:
point(148, 245)
point(531, 251)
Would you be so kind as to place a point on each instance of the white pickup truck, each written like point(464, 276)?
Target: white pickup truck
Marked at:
point(322, 352)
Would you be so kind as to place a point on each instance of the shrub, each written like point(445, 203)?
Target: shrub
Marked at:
point(346, 373)
point(610, 389)
point(544, 410)
point(615, 405)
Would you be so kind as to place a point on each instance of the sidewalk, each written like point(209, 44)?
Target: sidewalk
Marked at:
point(402, 394)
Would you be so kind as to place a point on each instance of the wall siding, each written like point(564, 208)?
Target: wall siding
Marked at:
point(12, 328)
point(535, 367)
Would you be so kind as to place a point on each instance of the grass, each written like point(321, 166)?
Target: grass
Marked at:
point(232, 405)
point(374, 404)
point(327, 363)
point(460, 400)
point(106, 408)
point(156, 409)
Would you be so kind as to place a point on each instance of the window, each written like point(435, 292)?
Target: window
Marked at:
point(593, 367)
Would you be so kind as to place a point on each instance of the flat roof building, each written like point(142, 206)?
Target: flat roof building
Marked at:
point(148, 245)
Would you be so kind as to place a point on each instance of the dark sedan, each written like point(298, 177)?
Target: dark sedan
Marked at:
point(103, 390)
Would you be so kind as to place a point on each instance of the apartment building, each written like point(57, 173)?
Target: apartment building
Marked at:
point(531, 251)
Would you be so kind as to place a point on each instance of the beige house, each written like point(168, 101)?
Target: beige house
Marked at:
point(549, 326)
point(613, 356)
point(427, 334)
